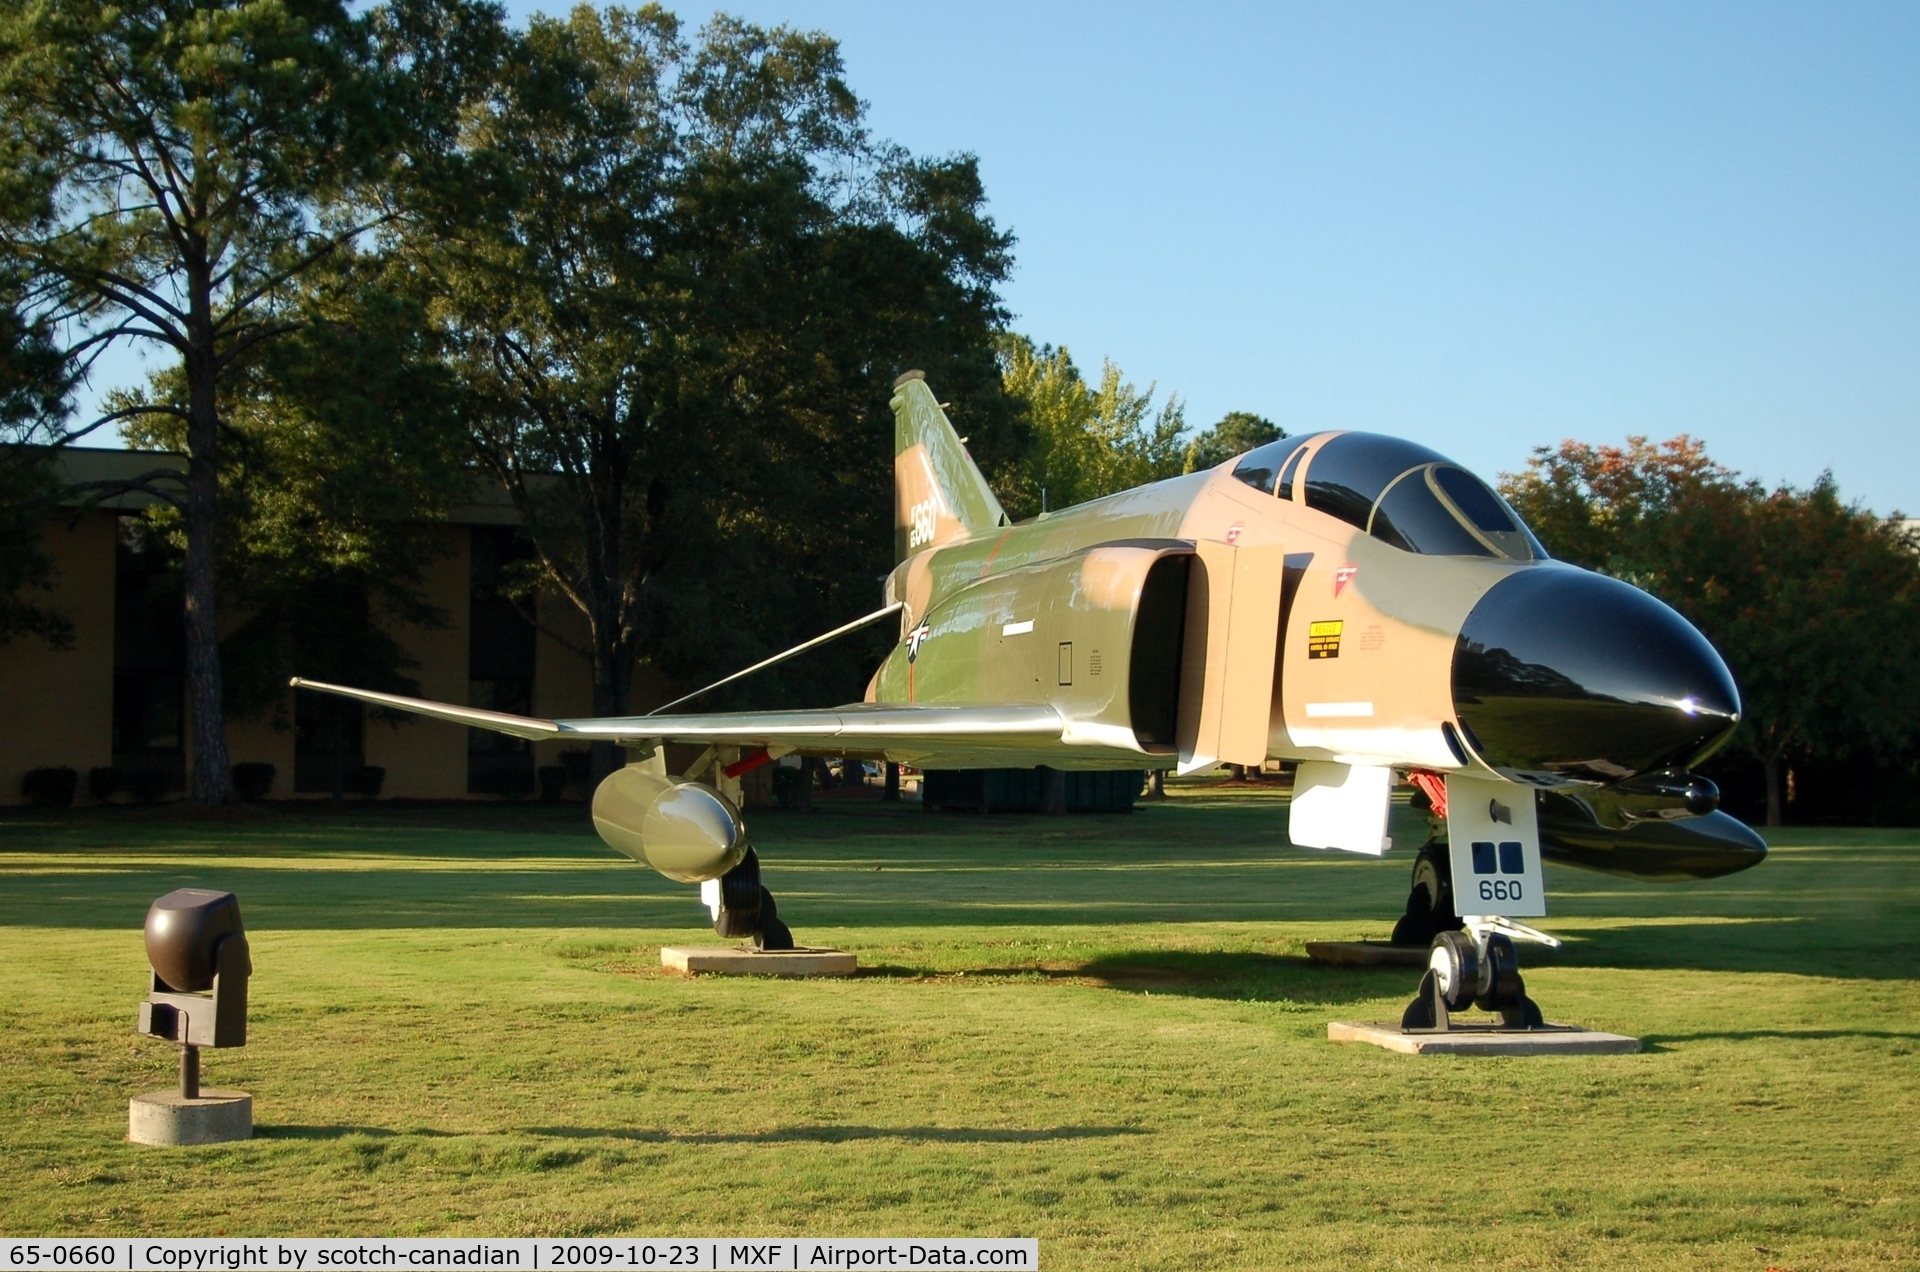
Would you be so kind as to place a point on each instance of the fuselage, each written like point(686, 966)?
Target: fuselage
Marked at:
point(1341, 597)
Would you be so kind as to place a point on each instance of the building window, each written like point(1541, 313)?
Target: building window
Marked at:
point(500, 662)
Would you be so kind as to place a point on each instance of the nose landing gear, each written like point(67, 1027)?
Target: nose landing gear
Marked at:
point(1467, 972)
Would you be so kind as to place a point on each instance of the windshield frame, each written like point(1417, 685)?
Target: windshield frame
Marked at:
point(1519, 544)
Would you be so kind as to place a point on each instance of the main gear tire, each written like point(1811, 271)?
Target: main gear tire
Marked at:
point(1429, 901)
point(773, 934)
point(741, 900)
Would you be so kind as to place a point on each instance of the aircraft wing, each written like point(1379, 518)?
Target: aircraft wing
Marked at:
point(857, 727)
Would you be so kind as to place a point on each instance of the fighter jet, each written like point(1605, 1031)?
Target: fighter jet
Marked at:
point(1356, 604)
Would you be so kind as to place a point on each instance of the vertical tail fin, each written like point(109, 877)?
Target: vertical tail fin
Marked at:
point(939, 494)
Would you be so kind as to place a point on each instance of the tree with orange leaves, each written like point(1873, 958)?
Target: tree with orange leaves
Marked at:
point(1814, 603)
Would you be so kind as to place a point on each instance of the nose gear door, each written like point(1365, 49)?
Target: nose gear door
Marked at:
point(1493, 844)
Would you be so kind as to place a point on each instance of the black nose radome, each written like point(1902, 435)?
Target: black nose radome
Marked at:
point(1564, 676)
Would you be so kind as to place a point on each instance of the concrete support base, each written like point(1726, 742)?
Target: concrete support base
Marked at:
point(735, 960)
point(1486, 1040)
point(167, 1117)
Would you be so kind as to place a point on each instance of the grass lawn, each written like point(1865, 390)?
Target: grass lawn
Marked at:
point(1098, 1031)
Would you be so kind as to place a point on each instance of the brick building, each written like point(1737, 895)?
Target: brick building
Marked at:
point(117, 698)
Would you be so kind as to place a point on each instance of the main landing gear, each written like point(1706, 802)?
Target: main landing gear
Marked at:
point(1429, 902)
point(742, 907)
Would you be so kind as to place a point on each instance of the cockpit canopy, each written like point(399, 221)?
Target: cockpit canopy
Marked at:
point(1398, 491)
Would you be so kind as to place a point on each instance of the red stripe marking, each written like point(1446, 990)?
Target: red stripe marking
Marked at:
point(993, 554)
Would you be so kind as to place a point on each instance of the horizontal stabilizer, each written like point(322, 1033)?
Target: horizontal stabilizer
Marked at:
point(498, 721)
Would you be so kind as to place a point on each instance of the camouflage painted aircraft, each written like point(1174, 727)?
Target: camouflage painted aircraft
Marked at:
point(1352, 603)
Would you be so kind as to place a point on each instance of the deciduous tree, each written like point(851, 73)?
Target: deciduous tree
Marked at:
point(1237, 433)
point(1088, 440)
point(199, 156)
point(34, 377)
point(342, 452)
point(1814, 603)
point(675, 314)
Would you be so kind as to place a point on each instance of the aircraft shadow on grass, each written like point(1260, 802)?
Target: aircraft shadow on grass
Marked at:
point(588, 891)
point(845, 1134)
point(1234, 976)
point(1789, 945)
point(1655, 1041)
point(779, 1135)
point(1809, 945)
point(615, 898)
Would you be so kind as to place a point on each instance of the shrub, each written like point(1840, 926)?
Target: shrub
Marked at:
point(253, 780)
point(787, 783)
point(49, 787)
point(552, 778)
point(149, 784)
point(102, 783)
point(365, 780)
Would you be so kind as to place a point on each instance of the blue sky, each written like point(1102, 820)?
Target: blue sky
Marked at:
point(1485, 227)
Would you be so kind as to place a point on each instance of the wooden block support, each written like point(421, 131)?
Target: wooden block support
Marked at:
point(1483, 1040)
point(736, 960)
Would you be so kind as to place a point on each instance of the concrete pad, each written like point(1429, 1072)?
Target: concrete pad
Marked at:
point(1367, 954)
point(1486, 1040)
point(167, 1117)
point(744, 960)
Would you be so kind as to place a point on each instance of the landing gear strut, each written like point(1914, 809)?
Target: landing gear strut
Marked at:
point(1464, 972)
point(742, 907)
point(1429, 902)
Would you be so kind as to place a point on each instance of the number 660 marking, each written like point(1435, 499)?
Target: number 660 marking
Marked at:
point(1499, 889)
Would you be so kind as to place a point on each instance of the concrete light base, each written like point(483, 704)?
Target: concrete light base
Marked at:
point(1486, 1040)
point(736, 960)
point(1367, 954)
point(167, 1117)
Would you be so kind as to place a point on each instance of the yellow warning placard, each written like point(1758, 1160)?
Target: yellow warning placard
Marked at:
point(1323, 638)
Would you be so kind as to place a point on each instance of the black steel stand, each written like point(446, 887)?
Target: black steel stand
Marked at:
point(1505, 994)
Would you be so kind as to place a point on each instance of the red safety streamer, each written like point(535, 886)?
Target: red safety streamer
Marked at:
point(748, 762)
